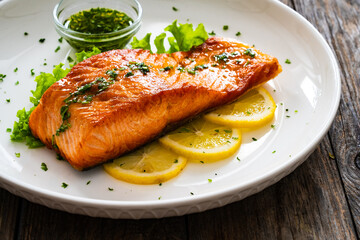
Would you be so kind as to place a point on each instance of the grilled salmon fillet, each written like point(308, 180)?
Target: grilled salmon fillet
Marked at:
point(116, 101)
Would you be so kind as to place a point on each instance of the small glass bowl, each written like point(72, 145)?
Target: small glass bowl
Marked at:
point(104, 41)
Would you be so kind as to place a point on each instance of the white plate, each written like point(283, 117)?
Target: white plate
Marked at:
point(309, 85)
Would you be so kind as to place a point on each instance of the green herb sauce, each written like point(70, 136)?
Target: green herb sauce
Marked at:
point(98, 21)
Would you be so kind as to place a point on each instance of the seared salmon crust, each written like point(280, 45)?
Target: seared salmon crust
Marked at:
point(116, 101)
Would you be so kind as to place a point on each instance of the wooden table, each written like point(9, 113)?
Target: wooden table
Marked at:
point(319, 200)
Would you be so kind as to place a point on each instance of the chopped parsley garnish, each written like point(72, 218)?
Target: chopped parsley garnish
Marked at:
point(16, 69)
point(8, 100)
point(57, 49)
point(175, 9)
point(191, 71)
point(209, 180)
point(168, 68)
point(44, 167)
point(2, 76)
point(142, 67)
point(88, 182)
point(16, 83)
point(8, 130)
point(228, 131)
point(272, 126)
point(274, 151)
point(238, 159)
point(191, 193)
point(60, 39)
point(110, 189)
point(287, 61)
point(224, 57)
point(287, 116)
point(99, 20)
point(41, 40)
point(64, 185)
point(250, 52)
point(225, 27)
point(238, 34)
point(201, 161)
point(212, 33)
point(17, 155)
point(70, 59)
point(32, 72)
point(160, 184)
point(176, 161)
point(26, 33)
point(129, 74)
point(254, 139)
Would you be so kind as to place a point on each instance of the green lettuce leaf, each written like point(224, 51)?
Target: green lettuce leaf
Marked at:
point(81, 56)
point(143, 43)
point(183, 39)
point(185, 36)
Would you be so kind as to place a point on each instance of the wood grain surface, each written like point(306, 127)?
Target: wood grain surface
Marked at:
point(319, 200)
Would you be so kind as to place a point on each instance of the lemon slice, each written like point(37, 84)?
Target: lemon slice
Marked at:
point(253, 109)
point(203, 140)
point(151, 164)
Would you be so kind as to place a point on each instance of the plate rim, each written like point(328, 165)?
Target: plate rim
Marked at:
point(149, 205)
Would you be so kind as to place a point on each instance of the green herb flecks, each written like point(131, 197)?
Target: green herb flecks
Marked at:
point(44, 167)
point(142, 67)
point(250, 52)
point(84, 94)
point(2, 77)
point(41, 40)
point(98, 21)
point(212, 33)
point(222, 58)
point(64, 185)
point(287, 61)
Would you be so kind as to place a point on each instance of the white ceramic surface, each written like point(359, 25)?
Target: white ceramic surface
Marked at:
point(309, 85)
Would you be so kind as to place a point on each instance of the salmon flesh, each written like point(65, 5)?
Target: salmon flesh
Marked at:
point(116, 101)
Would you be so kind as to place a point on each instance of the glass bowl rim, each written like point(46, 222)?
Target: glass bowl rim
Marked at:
point(77, 34)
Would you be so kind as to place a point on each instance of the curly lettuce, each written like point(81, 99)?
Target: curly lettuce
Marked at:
point(184, 37)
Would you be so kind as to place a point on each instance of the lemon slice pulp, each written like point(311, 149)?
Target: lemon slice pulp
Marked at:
point(151, 164)
point(253, 109)
point(203, 140)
